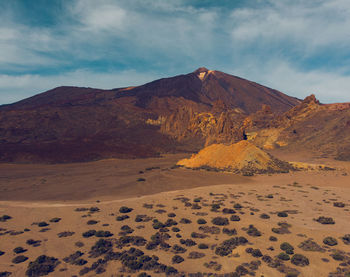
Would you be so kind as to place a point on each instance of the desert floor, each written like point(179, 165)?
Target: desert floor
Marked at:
point(51, 206)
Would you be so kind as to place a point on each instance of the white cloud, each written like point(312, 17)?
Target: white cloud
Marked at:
point(327, 86)
point(305, 25)
point(96, 16)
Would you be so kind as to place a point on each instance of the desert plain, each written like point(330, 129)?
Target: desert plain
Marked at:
point(148, 217)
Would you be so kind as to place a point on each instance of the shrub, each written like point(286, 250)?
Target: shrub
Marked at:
point(65, 234)
point(339, 204)
point(310, 245)
point(330, 241)
point(157, 225)
point(94, 209)
point(346, 239)
point(267, 259)
point(175, 229)
point(264, 216)
point(89, 233)
point(178, 249)
point(196, 235)
point(91, 222)
point(122, 217)
point(201, 221)
point(325, 220)
point(228, 211)
point(101, 247)
point(237, 206)
point(79, 244)
point(338, 256)
point(43, 265)
point(43, 224)
point(4, 218)
point(287, 247)
point(235, 218)
point(203, 246)
point(125, 210)
point(19, 250)
point(171, 215)
point(185, 221)
point(256, 253)
point(188, 242)
point(195, 255)
point(55, 219)
point(141, 180)
point(226, 247)
point(19, 259)
point(283, 256)
point(103, 234)
point(210, 229)
point(221, 221)
point(177, 259)
point(229, 232)
point(253, 231)
point(300, 260)
point(282, 214)
point(272, 238)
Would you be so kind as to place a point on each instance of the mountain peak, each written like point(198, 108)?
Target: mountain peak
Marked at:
point(201, 70)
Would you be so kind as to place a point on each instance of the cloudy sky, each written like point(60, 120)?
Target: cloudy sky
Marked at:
point(298, 47)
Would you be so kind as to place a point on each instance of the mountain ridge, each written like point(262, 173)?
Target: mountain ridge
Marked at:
point(183, 113)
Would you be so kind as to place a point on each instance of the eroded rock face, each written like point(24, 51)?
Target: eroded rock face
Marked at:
point(242, 157)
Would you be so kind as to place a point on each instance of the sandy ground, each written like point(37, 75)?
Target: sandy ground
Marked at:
point(37, 193)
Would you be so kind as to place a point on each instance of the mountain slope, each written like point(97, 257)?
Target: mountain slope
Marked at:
point(69, 124)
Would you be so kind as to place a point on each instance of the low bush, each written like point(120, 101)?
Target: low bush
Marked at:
point(299, 260)
point(330, 241)
point(55, 219)
point(19, 259)
point(203, 246)
point(201, 221)
point(125, 209)
point(4, 218)
point(325, 220)
point(256, 253)
point(19, 250)
point(177, 259)
point(235, 218)
point(264, 216)
point(282, 214)
point(253, 231)
point(229, 232)
point(122, 217)
point(339, 204)
point(221, 221)
point(43, 265)
point(287, 247)
point(228, 211)
point(89, 233)
point(283, 256)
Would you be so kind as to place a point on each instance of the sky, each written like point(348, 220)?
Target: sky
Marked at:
point(298, 47)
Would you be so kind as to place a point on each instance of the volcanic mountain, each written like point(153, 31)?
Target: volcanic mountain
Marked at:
point(181, 113)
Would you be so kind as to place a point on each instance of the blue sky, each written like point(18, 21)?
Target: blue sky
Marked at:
point(297, 47)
